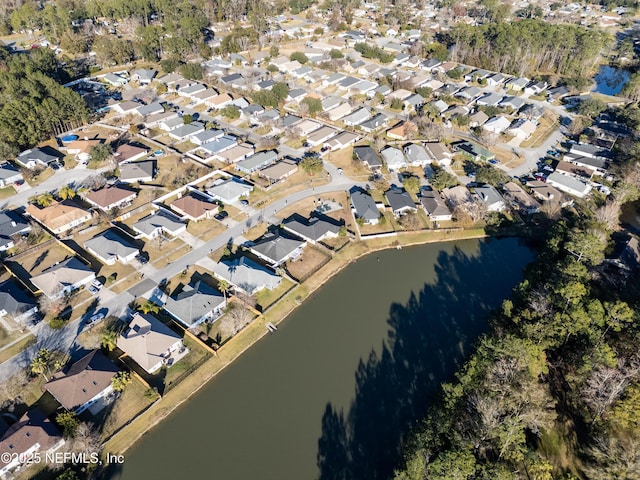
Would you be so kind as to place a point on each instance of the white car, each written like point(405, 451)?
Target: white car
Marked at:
point(95, 318)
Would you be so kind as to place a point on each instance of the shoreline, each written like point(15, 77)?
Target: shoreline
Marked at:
point(128, 436)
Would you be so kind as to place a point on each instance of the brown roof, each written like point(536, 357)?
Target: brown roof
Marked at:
point(401, 129)
point(33, 428)
point(109, 195)
point(83, 380)
point(82, 146)
point(193, 206)
point(574, 169)
point(126, 151)
point(58, 215)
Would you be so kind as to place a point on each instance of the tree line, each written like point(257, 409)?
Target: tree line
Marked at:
point(528, 48)
point(33, 104)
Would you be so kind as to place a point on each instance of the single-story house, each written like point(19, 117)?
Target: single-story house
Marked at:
point(495, 79)
point(38, 157)
point(478, 119)
point(357, 117)
point(63, 278)
point(439, 152)
point(110, 247)
point(364, 206)
point(342, 140)
point(368, 156)
point(546, 193)
point(160, 222)
point(329, 103)
point(195, 304)
point(394, 158)
point(574, 170)
point(144, 76)
point(229, 190)
point(497, 124)
point(340, 111)
point(321, 135)
point(128, 152)
point(279, 170)
point(149, 342)
point(59, 217)
point(457, 195)
point(15, 302)
point(115, 80)
point(12, 224)
point(377, 121)
point(33, 436)
point(83, 383)
point(519, 199)
point(590, 151)
point(468, 93)
point(434, 206)
point(137, 171)
point(9, 174)
point(400, 201)
point(473, 151)
point(517, 84)
point(489, 100)
point(153, 108)
point(158, 119)
point(126, 107)
point(305, 127)
point(568, 184)
point(110, 197)
point(417, 155)
point(522, 128)
point(246, 276)
point(402, 131)
point(516, 103)
point(595, 164)
point(491, 198)
point(276, 249)
point(236, 153)
point(194, 206)
point(313, 230)
point(184, 132)
point(439, 105)
point(257, 161)
point(218, 146)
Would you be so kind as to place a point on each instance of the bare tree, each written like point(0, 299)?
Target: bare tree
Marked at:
point(609, 215)
point(86, 438)
point(551, 209)
point(410, 221)
point(243, 43)
point(487, 138)
point(236, 317)
point(53, 305)
point(94, 182)
point(303, 109)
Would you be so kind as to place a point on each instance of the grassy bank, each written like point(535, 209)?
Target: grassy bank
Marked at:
point(257, 329)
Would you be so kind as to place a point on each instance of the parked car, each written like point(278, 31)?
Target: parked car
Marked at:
point(95, 318)
point(221, 216)
point(493, 161)
point(55, 166)
point(244, 202)
point(142, 258)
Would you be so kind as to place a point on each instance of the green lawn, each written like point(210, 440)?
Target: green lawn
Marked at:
point(265, 297)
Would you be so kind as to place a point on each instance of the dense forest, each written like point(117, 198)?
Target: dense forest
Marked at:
point(33, 104)
point(529, 47)
point(552, 392)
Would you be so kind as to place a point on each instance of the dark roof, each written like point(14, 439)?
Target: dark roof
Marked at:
point(368, 155)
point(11, 223)
point(276, 247)
point(83, 380)
point(13, 299)
point(33, 428)
point(364, 204)
point(313, 228)
point(399, 199)
point(433, 203)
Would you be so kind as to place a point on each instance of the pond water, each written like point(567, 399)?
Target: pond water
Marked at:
point(331, 394)
point(610, 80)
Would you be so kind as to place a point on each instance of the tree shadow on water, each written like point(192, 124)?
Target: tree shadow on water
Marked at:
point(429, 338)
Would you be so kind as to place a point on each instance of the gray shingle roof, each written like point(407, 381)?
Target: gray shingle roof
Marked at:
point(194, 302)
point(161, 219)
point(276, 247)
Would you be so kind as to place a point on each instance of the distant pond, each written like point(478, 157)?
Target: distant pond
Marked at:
point(610, 80)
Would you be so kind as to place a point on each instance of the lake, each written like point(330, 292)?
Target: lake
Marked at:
point(610, 80)
point(332, 392)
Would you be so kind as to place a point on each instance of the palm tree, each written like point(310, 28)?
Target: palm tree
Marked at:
point(120, 380)
point(45, 199)
point(149, 307)
point(66, 192)
point(224, 287)
point(109, 339)
point(40, 364)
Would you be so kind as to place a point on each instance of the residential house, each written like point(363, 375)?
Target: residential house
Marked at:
point(279, 170)
point(489, 100)
point(219, 101)
point(189, 90)
point(203, 97)
point(160, 222)
point(137, 172)
point(149, 342)
point(195, 303)
point(15, 302)
point(477, 74)
point(342, 140)
point(400, 94)
point(276, 248)
point(402, 131)
point(59, 217)
point(194, 207)
point(234, 80)
point(81, 148)
point(305, 127)
point(457, 195)
point(400, 202)
point(379, 120)
point(290, 120)
point(414, 102)
point(383, 90)
point(439, 105)
point(257, 161)
point(144, 76)
point(63, 278)
point(158, 119)
point(85, 382)
point(340, 111)
point(313, 230)
point(532, 112)
point(568, 184)
point(557, 93)
point(536, 88)
point(236, 153)
point(522, 128)
point(38, 157)
point(364, 206)
point(115, 79)
point(368, 156)
point(230, 190)
point(32, 436)
point(515, 103)
point(417, 155)
point(127, 107)
point(495, 79)
point(497, 124)
point(110, 247)
point(296, 94)
point(394, 158)
point(517, 84)
point(12, 225)
point(519, 199)
point(321, 135)
point(348, 82)
point(128, 152)
point(626, 255)
point(9, 175)
point(329, 103)
point(439, 152)
point(363, 87)
point(357, 117)
point(434, 206)
point(468, 93)
point(573, 170)
point(546, 193)
point(217, 146)
point(246, 276)
point(595, 164)
point(186, 131)
point(455, 111)
point(478, 119)
point(490, 197)
point(589, 151)
point(110, 197)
